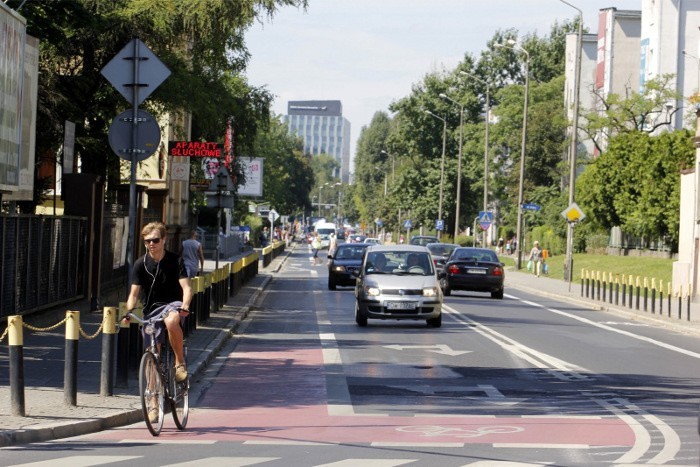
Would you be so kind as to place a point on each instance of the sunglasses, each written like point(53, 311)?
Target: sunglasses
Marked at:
point(154, 240)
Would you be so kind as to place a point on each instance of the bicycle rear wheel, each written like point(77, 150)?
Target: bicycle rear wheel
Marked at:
point(179, 396)
point(152, 392)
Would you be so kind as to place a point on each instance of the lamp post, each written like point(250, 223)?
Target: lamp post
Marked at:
point(459, 160)
point(384, 153)
point(486, 141)
point(519, 235)
point(569, 270)
point(442, 165)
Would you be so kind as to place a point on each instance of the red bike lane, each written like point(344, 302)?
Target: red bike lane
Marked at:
point(279, 395)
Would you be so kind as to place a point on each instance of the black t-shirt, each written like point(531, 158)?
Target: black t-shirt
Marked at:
point(160, 281)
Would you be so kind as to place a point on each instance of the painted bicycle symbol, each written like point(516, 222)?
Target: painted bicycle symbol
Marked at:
point(432, 430)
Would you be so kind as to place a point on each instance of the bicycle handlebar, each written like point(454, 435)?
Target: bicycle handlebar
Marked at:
point(159, 316)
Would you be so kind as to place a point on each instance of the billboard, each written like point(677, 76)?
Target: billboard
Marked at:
point(252, 167)
point(12, 37)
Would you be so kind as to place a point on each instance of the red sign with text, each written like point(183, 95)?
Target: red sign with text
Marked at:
point(195, 149)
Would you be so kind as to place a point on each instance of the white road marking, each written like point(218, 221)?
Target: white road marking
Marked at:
point(436, 348)
point(78, 461)
point(368, 463)
point(225, 461)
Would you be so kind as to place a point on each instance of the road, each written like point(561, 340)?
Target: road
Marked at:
point(518, 381)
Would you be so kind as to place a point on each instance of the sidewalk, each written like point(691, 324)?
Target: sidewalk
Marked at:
point(561, 290)
point(49, 417)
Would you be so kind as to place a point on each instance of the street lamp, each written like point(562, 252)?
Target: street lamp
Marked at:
point(459, 159)
point(384, 153)
point(519, 235)
point(442, 165)
point(486, 141)
point(569, 270)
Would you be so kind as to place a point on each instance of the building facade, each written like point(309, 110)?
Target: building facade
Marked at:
point(323, 129)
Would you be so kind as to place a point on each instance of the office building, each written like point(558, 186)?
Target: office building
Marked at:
point(324, 130)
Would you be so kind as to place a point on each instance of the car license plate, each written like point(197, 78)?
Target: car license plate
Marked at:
point(400, 305)
point(476, 271)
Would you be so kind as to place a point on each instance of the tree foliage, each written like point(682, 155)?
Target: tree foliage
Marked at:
point(202, 43)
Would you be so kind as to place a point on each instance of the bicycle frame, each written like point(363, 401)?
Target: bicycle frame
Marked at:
point(156, 360)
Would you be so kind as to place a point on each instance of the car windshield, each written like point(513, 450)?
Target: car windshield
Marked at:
point(350, 251)
point(474, 254)
point(399, 262)
point(441, 249)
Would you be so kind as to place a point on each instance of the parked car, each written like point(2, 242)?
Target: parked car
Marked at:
point(398, 282)
point(440, 252)
point(473, 269)
point(372, 241)
point(346, 260)
point(423, 240)
point(356, 238)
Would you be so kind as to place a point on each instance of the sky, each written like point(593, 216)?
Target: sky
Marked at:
point(369, 53)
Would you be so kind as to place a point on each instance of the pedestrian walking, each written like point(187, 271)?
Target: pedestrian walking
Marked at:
point(315, 246)
point(192, 255)
point(332, 246)
point(508, 247)
point(536, 258)
point(500, 246)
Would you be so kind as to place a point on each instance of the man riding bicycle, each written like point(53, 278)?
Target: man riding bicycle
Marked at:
point(163, 277)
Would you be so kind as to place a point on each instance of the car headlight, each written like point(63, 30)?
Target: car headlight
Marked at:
point(372, 291)
point(339, 268)
point(430, 292)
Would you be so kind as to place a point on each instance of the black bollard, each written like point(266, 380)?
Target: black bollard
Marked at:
point(70, 368)
point(16, 354)
point(109, 329)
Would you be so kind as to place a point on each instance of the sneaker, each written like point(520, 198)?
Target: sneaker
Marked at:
point(153, 415)
point(180, 373)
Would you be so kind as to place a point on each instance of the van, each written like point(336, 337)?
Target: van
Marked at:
point(324, 230)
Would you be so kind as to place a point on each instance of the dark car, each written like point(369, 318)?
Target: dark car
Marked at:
point(440, 252)
point(423, 240)
point(347, 258)
point(473, 269)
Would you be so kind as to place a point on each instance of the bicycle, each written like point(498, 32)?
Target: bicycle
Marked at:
point(157, 382)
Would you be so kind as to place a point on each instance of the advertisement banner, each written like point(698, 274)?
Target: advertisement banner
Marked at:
point(252, 167)
point(195, 149)
point(12, 38)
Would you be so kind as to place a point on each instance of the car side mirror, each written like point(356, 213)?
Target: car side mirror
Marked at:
point(355, 273)
point(330, 256)
point(441, 274)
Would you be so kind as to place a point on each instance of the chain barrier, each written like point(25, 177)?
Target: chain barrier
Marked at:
point(91, 336)
point(46, 329)
point(55, 326)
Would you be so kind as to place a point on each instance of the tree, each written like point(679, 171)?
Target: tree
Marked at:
point(635, 184)
point(644, 111)
point(200, 42)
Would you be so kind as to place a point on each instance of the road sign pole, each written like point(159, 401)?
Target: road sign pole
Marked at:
point(132, 185)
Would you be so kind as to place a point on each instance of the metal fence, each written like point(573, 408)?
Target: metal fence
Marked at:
point(42, 262)
point(114, 271)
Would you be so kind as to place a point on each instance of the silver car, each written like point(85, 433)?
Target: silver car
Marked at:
point(398, 282)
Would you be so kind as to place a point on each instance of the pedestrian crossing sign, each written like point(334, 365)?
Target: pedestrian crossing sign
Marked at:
point(485, 219)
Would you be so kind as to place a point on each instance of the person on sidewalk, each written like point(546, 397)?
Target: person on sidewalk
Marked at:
point(193, 255)
point(536, 258)
point(162, 276)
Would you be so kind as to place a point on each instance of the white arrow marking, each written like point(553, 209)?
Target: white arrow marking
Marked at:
point(437, 348)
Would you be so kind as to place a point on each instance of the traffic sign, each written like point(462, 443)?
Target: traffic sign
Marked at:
point(151, 72)
point(439, 224)
point(147, 135)
point(573, 213)
point(273, 216)
point(407, 224)
point(531, 207)
point(485, 219)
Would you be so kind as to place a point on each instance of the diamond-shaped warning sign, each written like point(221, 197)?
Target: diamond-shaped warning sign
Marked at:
point(573, 213)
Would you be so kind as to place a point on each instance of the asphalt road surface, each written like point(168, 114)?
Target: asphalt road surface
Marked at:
point(518, 381)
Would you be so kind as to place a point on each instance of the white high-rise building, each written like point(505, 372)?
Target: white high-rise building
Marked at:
point(324, 130)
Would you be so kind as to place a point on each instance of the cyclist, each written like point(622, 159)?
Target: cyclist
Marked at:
point(163, 277)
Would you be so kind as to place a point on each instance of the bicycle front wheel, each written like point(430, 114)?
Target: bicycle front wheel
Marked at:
point(179, 397)
point(152, 393)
